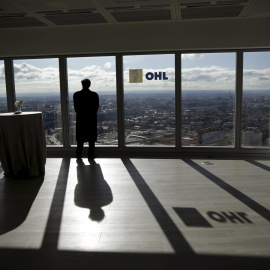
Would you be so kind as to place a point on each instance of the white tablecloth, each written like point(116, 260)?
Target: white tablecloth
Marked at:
point(22, 144)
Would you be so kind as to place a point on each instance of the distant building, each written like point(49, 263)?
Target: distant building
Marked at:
point(209, 137)
point(252, 138)
point(72, 135)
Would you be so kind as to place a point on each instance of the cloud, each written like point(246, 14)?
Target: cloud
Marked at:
point(108, 65)
point(263, 79)
point(255, 73)
point(101, 79)
point(192, 56)
point(213, 77)
point(216, 77)
point(2, 72)
point(26, 71)
point(29, 78)
point(90, 72)
point(256, 79)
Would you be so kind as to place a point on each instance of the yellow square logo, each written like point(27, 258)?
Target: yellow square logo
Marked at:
point(135, 76)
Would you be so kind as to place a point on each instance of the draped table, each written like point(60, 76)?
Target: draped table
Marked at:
point(22, 144)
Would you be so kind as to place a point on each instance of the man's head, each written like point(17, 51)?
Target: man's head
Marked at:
point(86, 83)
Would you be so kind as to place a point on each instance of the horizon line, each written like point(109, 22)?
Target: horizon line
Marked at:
point(138, 91)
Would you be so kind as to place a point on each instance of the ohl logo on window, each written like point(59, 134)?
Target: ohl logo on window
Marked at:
point(136, 76)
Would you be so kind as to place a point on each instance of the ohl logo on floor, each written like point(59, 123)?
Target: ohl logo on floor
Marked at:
point(136, 76)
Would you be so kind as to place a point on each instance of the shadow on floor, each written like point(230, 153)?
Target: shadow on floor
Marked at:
point(70, 260)
point(258, 208)
point(16, 199)
point(92, 191)
point(258, 164)
point(49, 257)
point(174, 236)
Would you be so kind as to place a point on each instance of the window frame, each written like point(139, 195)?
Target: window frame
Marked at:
point(149, 147)
point(121, 149)
point(257, 148)
point(236, 99)
point(5, 81)
point(61, 90)
point(68, 94)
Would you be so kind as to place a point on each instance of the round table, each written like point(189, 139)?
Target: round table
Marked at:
point(22, 144)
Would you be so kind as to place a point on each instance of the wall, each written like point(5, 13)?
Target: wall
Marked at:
point(132, 37)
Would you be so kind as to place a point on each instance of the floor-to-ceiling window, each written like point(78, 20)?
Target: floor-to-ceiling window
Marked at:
point(207, 88)
point(3, 95)
point(102, 73)
point(256, 99)
point(208, 96)
point(149, 100)
point(37, 82)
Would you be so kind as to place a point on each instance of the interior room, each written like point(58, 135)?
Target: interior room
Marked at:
point(182, 167)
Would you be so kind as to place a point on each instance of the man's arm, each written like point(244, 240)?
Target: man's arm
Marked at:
point(76, 103)
point(97, 103)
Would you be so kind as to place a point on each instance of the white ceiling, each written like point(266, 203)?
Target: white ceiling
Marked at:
point(33, 13)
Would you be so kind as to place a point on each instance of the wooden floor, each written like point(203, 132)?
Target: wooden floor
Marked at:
point(138, 214)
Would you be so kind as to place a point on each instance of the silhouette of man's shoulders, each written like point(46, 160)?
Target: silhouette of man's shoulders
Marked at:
point(85, 94)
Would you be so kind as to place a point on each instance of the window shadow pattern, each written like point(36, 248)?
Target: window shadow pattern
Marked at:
point(258, 164)
point(49, 257)
point(256, 207)
point(16, 199)
point(92, 191)
point(51, 235)
point(175, 237)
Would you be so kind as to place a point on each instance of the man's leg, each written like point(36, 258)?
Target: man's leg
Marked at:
point(91, 150)
point(79, 149)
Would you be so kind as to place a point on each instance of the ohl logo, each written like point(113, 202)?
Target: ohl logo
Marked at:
point(136, 76)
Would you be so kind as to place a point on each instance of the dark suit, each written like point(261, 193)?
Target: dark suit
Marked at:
point(86, 105)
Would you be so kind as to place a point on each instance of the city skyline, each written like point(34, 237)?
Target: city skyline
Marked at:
point(44, 94)
point(207, 118)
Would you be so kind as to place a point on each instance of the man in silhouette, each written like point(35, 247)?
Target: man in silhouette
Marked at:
point(86, 103)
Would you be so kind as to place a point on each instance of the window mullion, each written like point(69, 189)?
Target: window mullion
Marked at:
point(120, 101)
point(10, 85)
point(64, 100)
point(178, 102)
point(238, 100)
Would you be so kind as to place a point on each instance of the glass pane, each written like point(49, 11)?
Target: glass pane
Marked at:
point(37, 82)
point(149, 100)
point(3, 95)
point(208, 94)
point(256, 99)
point(102, 73)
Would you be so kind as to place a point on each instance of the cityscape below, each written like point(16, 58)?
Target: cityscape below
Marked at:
point(207, 118)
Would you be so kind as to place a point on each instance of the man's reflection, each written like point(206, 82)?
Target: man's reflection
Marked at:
point(92, 191)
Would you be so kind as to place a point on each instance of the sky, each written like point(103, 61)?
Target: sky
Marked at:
point(201, 71)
